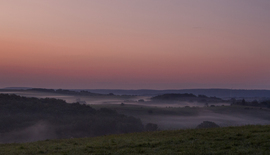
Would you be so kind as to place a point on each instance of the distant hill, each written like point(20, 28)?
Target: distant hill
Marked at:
point(67, 92)
point(17, 88)
point(56, 91)
point(25, 119)
point(221, 93)
point(187, 97)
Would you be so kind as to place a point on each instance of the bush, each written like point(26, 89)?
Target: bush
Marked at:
point(207, 124)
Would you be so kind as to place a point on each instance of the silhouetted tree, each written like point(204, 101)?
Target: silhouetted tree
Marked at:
point(243, 101)
point(207, 124)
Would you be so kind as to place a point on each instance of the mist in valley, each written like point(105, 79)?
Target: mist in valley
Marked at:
point(188, 122)
point(167, 115)
point(41, 130)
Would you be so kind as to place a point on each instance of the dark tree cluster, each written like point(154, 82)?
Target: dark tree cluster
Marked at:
point(187, 97)
point(207, 124)
point(254, 103)
point(66, 120)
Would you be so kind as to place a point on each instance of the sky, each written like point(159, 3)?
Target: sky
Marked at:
point(135, 44)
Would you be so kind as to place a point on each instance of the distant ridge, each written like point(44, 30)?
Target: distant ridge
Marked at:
point(222, 93)
point(17, 88)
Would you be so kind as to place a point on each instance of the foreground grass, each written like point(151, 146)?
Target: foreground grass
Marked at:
point(253, 139)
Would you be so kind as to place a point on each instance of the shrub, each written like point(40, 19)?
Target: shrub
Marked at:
point(207, 124)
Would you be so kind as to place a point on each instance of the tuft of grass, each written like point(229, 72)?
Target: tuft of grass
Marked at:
point(251, 139)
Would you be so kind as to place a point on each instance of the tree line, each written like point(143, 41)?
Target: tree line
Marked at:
point(67, 120)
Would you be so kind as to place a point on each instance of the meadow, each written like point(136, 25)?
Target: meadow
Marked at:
point(251, 139)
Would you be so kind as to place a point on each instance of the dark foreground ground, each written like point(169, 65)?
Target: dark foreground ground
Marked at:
point(251, 139)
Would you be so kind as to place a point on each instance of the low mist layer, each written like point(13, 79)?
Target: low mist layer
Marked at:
point(99, 114)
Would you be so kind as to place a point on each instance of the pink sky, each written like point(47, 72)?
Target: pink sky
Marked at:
point(142, 44)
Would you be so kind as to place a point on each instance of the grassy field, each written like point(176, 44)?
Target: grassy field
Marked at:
point(229, 140)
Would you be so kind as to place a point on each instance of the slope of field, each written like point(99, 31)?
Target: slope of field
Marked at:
point(229, 140)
